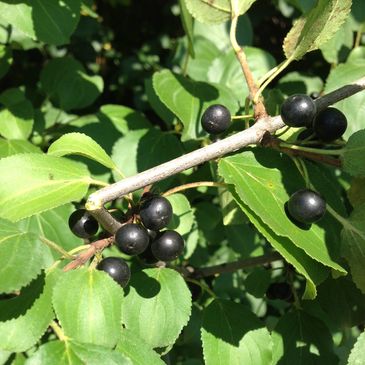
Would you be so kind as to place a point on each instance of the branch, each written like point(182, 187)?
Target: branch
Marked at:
point(198, 273)
point(260, 110)
point(252, 135)
point(88, 253)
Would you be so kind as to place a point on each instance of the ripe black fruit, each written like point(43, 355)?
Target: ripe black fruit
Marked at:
point(83, 224)
point(330, 124)
point(279, 291)
point(168, 246)
point(298, 111)
point(155, 212)
point(116, 268)
point(306, 206)
point(216, 119)
point(132, 239)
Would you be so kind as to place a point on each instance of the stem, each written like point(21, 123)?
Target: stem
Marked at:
point(58, 331)
point(98, 182)
point(358, 36)
point(345, 222)
point(204, 286)
point(271, 77)
point(88, 253)
point(260, 110)
point(317, 151)
point(235, 265)
point(248, 116)
point(57, 248)
point(193, 185)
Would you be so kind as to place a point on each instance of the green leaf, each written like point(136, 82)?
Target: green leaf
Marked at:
point(68, 85)
point(302, 339)
point(161, 299)
point(215, 11)
point(314, 272)
point(6, 59)
point(315, 28)
point(226, 70)
point(53, 225)
point(144, 148)
point(257, 282)
point(156, 104)
point(357, 353)
point(188, 100)
point(20, 249)
point(187, 23)
point(9, 147)
point(218, 34)
point(123, 118)
point(80, 144)
point(349, 310)
point(50, 22)
point(232, 334)
point(71, 352)
point(299, 83)
point(339, 46)
point(353, 156)
point(206, 52)
point(26, 317)
point(138, 351)
point(353, 245)
point(356, 193)
point(354, 106)
point(16, 120)
point(266, 190)
point(46, 182)
point(183, 216)
point(88, 305)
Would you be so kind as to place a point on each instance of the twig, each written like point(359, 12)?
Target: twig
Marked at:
point(233, 266)
point(252, 135)
point(88, 253)
point(260, 110)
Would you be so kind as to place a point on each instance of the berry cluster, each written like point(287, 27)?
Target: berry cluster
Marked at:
point(300, 111)
point(154, 214)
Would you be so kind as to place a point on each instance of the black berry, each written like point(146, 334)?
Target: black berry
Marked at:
point(330, 124)
point(116, 268)
point(216, 119)
point(298, 111)
point(279, 291)
point(132, 239)
point(306, 206)
point(83, 224)
point(155, 212)
point(168, 246)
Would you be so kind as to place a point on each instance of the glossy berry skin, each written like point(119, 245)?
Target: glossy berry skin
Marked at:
point(155, 212)
point(168, 246)
point(116, 268)
point(132, 239)
point(306, 206)
point(83, 224)
point(216, 119)
point(330, 124)
point(279, 291)
point(298, 110)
